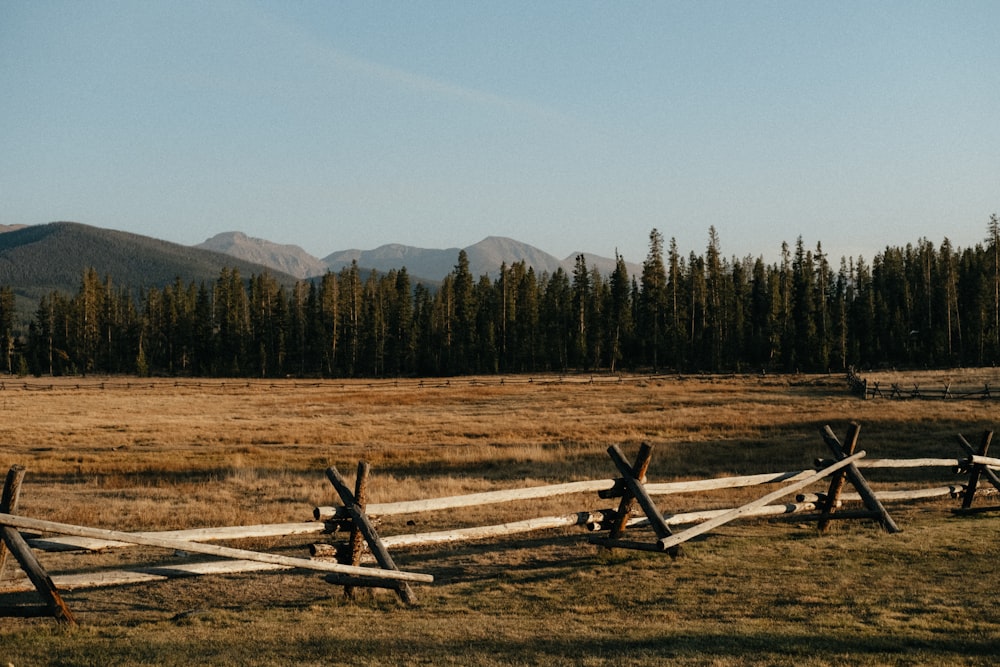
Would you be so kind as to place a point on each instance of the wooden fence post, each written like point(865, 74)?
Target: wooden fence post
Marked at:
point(9, 502)
point(356, 544)
point(367, 529)
point(55, 606)
point(832, 501)
point(977, 470)
point(636, 472)
point(633, 477)
point(859, 482)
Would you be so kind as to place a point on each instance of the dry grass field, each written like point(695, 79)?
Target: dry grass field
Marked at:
point(157, 455)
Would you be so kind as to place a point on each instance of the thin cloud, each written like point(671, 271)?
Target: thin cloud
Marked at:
point(324, 54)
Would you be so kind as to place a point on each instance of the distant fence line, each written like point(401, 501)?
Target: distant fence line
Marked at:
point(896, 391)
point(405, 383)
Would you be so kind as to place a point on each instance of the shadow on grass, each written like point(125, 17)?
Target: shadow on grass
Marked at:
point(711, 647)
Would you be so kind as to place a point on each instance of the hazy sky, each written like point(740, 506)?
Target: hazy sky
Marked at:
point(567, 125)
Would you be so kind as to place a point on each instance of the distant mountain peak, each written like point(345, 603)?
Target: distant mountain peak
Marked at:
point(290, 259)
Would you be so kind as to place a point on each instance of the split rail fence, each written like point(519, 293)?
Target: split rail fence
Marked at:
point(867, 390)
point(610, 528)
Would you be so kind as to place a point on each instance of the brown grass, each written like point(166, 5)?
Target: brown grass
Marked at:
point(156, 455)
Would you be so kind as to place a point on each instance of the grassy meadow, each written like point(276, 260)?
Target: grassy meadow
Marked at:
point(129, 454)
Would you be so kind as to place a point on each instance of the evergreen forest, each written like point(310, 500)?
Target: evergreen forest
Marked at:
point(914, 306)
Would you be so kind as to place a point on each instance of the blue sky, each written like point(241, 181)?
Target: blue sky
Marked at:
point(567, 125)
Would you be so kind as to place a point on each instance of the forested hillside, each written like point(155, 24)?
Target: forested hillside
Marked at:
point(38, 259)
point(921, 305)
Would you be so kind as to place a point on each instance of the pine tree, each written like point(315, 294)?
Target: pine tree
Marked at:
point(328, 323)
point(821, 301)
point(948, 269)
point(993, 247)
point(620, 324)
point(351, 314)
point(715, 301)
point(697, 307)
point(803, 309)
point(737, 328)
point(653, 300)
point(582, 294)
point(759, 350)
point(294, 357)
point(507, 317)
point(401, 343)
point(839, 319)
point(526, 324)
point(783, 312)
point(7, 309)
point(464, 323)
point(676, 349)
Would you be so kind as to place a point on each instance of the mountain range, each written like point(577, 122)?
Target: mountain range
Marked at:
point(427, 264)
point(38, 259)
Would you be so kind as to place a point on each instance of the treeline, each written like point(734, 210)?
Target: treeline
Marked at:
point(915, 306)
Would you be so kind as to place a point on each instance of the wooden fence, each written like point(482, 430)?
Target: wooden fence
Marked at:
point(84, 383)
point(636, 510)
point(897, 391)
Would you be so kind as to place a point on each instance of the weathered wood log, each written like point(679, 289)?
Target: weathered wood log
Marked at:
point(616, 491)
point(858, 481)
point(188, 535)
point(209, 549)
point(468, 500)
point(37, 574)
point(984, 461)
point(897, 463)
point(705, 515)
point(321, 550)
point(912, 494)
point(9, 500)
point(486, 532)
point(667, 488)
point(367, 529)
point(722, 519)
point(143, 575)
